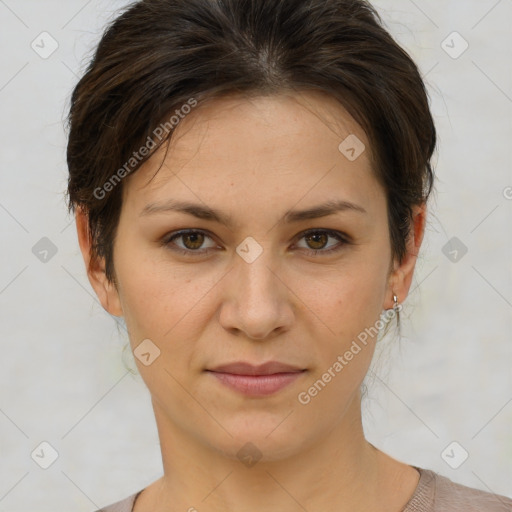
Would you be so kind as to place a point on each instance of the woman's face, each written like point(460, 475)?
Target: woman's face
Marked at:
point(252, 289)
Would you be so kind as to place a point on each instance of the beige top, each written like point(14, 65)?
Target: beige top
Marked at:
point(434, 493)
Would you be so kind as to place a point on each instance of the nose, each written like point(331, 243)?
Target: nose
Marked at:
point(256, 299)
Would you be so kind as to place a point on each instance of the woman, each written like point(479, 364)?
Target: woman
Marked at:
point(250, 181)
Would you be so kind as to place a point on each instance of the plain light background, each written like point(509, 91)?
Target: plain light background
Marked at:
point(63, 375)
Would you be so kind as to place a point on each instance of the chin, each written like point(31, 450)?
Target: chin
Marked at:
point(266, 440)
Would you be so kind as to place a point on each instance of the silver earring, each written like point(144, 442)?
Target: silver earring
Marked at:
point(396, 304)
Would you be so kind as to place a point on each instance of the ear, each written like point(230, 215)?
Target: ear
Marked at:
point(105, 290)
point(401, 278)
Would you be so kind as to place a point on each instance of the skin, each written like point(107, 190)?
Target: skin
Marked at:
point(254, 160)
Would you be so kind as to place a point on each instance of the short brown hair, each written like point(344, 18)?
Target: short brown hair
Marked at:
point(158, 54)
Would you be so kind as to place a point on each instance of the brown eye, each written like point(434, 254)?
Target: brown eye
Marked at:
point(317, 240)
point(192, 242)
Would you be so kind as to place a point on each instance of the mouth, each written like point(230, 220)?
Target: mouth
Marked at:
point(251, 380)
point(249, 369)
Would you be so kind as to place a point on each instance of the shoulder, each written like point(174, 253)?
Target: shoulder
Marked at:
point(437, 493)
point(125, 505)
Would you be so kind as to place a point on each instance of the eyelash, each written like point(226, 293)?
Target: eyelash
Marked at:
point(341, 237)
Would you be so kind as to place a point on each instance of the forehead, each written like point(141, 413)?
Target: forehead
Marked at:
point(266, 146)
point(279, 124)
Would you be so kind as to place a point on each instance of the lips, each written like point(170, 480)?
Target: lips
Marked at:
point(257, 381)
point(244, 368)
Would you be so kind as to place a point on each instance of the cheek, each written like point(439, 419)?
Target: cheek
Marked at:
point(163, 305)
point(342, 359)
point(345, 299)
point(146, 295)
point(163, 301)
point(347, 304)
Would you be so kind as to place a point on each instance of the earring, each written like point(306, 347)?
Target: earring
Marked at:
point(396, 305)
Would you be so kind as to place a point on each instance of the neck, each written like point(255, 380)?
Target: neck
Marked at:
point(339, 472)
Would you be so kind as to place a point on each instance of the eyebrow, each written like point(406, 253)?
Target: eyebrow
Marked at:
point(206, 213)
